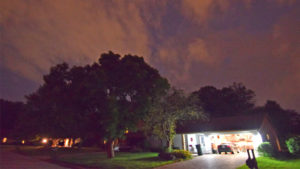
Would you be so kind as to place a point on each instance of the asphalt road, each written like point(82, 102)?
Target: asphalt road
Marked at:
point(10, 160)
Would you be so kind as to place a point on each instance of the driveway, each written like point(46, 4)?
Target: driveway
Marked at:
point(10, 160)
point(210, 161)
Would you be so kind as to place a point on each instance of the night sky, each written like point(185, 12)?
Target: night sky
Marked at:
point(192, 43)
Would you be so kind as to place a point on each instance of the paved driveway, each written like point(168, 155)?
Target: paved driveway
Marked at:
point(210, 161)
point(10, 160)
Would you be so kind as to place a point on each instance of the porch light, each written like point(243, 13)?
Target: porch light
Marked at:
point(126, 131)
point(23, 141)
point(4, 140)
point(44, 141)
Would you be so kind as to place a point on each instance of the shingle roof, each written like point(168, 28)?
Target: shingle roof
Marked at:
point(244, 122)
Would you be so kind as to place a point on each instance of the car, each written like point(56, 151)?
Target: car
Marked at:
point(227, 147)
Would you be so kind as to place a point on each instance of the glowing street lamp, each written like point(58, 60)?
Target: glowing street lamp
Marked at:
point(23, 141)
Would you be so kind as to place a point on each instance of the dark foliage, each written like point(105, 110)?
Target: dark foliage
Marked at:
point(233, 100)
point(103, 99)
point(293, 145)
point(286, 122)
point(266, 149)
point(175, 154)
point(9, 113)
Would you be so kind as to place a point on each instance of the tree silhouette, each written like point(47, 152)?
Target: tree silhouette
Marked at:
point(108, 97)
point(233, 100)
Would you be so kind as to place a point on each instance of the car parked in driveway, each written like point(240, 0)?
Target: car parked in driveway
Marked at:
point(227, 147)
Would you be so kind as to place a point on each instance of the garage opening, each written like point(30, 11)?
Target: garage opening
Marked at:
point(224, 142)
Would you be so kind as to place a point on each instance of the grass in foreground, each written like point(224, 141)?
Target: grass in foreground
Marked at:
point(272, 163)
point(121, 161)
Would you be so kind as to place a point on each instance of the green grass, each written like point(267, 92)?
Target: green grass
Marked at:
point(121, 160)
point(92, 157)
point(272, 163)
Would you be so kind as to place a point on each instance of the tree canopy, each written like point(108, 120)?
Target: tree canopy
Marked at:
point(286, 122)
point(233, 100)
point(106, 98)
point(169, 110)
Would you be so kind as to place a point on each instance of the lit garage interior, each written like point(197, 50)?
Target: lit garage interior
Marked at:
point(209, 142)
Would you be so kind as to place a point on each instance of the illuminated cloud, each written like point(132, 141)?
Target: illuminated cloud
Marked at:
point(39, 34)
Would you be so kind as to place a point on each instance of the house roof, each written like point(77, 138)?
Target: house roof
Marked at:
point(233, 123)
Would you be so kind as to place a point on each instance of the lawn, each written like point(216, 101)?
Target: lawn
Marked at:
point(121, 161)
point(272, 163)
point(92, 157)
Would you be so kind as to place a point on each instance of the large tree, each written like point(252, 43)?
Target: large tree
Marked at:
point(167, 111)
point(57, 109)
point(233, 100)
point(286, 122)
point(106, 98)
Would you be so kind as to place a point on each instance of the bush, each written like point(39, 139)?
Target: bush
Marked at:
point(265, 149)
point(176, 154)
point(293, 145)
point(166, 156)
point(183, 154)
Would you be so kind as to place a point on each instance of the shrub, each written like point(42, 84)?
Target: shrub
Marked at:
point(183, 154)
point(176, 154)
point(265, 149)
point(293, 145)
point(166, 156)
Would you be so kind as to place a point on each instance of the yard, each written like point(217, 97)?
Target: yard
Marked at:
point(91, 157)
point(121, 161)
point(268, 163)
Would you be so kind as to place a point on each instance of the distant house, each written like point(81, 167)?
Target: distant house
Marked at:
point(243, 132)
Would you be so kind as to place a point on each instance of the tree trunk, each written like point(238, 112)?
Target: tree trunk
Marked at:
point(169, 144)
point(110, 149)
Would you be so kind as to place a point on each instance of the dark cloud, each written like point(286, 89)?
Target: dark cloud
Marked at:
point(192, 43)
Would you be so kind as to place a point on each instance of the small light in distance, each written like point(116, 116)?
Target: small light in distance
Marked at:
point(44, 141)
point(4, 140)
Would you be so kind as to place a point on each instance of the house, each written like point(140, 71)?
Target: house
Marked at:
point(244, 132)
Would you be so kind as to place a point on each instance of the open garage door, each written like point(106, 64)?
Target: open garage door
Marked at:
point(236, 143)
